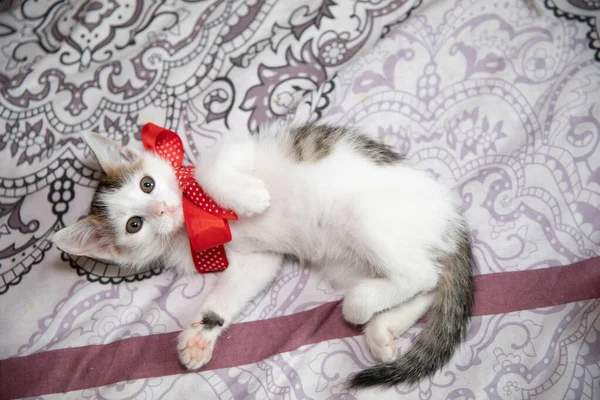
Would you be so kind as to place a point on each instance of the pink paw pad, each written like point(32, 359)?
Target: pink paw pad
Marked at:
point(195, 347)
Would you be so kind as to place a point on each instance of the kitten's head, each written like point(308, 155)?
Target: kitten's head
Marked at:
point(135, 212)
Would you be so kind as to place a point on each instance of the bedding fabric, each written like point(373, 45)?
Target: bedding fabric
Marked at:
point(497, 98)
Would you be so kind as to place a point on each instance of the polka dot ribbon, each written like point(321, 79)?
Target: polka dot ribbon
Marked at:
point(206, 223)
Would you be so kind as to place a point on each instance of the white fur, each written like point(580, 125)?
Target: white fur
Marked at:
point(369, 228)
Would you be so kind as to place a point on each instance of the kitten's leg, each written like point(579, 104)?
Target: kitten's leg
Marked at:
point(245, 277)
point(384, 327)
point(373, 295)
point(226, 174)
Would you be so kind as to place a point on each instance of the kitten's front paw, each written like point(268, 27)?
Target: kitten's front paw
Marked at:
point(252, 197)
point(196, 343)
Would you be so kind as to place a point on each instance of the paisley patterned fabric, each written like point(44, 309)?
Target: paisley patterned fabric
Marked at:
point(499, 99)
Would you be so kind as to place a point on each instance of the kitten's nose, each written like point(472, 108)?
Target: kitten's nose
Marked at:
point(161, 208)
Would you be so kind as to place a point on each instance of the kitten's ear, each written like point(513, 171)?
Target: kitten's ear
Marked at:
point(83, 239)
point(110, 154)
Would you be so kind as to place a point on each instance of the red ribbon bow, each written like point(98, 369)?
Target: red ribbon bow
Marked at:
point(205, 222)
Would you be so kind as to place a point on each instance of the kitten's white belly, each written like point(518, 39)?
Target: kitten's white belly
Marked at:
point(316, 245)
point(321, 212)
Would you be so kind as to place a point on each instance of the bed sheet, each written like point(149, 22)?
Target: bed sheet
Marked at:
point(497, 99)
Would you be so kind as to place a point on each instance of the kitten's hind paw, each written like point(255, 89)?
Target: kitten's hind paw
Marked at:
point(196, 344)
point(380, 342)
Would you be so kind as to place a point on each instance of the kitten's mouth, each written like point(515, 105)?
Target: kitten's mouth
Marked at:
point(169, 225)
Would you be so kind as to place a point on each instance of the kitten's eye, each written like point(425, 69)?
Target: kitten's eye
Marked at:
point(134, 224)
point(147, 184)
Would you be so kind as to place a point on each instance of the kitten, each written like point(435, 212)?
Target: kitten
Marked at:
point(387, 234)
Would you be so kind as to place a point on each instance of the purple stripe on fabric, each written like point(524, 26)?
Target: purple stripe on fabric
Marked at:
point(79, 368)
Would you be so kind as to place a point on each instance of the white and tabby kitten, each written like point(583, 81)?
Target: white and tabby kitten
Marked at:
point(387, 234)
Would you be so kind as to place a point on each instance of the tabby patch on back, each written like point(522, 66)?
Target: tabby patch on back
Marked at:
point(311, 143)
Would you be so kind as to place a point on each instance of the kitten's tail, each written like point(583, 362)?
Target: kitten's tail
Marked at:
point(448, 319)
